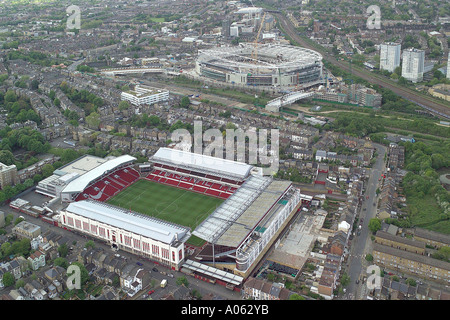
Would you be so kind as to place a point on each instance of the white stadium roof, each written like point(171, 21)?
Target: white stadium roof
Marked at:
point(131, 221)
point(194, 161)
point(79, 184)
point(234, 219)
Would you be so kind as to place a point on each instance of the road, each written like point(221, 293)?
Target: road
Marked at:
point(440, 108)
point(362, 244)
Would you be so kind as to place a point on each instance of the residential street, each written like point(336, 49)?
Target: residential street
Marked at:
point(362, 244)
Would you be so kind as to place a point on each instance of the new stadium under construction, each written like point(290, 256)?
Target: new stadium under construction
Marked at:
point(162, 209)
point(254, 64)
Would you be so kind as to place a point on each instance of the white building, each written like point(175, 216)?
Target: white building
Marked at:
point(145, 95)
point(127, 230)
point(390, 56)
point(413, 64)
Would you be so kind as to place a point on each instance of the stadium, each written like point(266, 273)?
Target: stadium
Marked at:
point(271, 65)
point(211, 217)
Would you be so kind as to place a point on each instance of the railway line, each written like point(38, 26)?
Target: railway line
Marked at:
point(435, 107)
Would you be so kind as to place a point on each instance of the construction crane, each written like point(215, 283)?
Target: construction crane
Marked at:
point(255, 50)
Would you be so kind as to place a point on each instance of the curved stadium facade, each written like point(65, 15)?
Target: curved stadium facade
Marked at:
point(260, 65)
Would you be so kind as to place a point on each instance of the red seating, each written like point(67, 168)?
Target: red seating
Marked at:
point(195, 183)
point(184, 185)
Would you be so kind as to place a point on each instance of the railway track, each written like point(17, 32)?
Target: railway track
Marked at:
point(437, 108)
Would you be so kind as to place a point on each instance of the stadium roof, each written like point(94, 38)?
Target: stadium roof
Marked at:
point(131, 221)
point(234, 219)
point(194, 161)
point(213, 272)
point(79, 184)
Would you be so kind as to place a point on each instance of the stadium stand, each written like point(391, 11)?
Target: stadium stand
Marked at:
point(109, 185)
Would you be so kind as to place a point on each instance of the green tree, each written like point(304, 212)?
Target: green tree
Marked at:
point(296, 296)
point(61, 262)
point(124, 105)
point(182, 281)
point(20, 283)
point(18, 220)
point(63, 250)
point(10, 96)
point(185, 102)
point(374, 225)
point(47, 170)
point(89, 244)
point(8, 279)
point(345, 280)
point(93, 120)
point(411, 282)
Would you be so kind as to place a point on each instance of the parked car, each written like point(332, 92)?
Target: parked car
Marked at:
point(150, 292)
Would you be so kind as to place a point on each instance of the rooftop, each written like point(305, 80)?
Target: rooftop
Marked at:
point(194, 161)
point(80, 183)
point(128, 220)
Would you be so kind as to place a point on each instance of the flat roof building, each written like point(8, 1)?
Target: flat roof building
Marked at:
point(145, 95)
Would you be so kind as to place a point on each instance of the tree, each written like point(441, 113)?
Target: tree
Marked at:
point(182, 281)
point(7, 157)
point(411, 282)
point(34, 85)
point(89, 244)
point(20, 283)
point(93, 120)
point(47, 170)
point(124, 105)
point(63, 250)
point(18, 220)
point(57, 102)
point(10, 96)
point(185, 102)
point(61, 262)
point(8, 279)
point(345, 280)
point(296, 296)
point(374, 225)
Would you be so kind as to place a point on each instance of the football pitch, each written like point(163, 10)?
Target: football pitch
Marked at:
point(167, 203)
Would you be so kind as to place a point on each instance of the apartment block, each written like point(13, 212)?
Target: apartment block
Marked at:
point(8, 175)
point(413, 64)
point(411, 263)
point(402, 243)
point(390, 56)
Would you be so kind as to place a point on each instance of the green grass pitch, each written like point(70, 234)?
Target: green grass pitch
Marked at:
point(167, 203)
